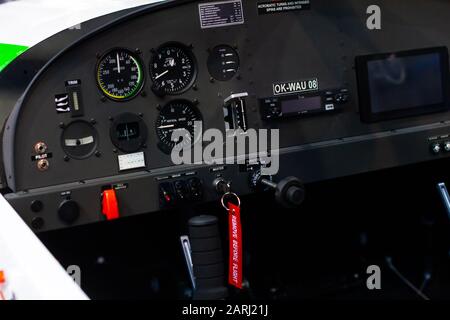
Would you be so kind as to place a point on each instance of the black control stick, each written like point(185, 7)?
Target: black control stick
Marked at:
point(207, 258)
point(289, 192)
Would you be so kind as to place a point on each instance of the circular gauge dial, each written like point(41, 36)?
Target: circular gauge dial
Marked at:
point(177, 115)
point(223, 63)
point(79, 139)
point(120, 75)
point(173, 69)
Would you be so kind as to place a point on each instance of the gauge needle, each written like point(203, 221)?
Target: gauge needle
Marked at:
point(167, 126)
point(118, 63)
point(160, 75)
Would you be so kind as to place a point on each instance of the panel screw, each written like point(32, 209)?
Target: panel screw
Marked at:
point(37, 223)
point(62, 125)
point(66, 158)
point(98, 154)
point(93, 121)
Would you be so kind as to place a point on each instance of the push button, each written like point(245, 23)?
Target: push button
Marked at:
point(110, 206)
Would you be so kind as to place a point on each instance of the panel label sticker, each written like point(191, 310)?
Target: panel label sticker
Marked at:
point(221, 13)
point(62, 103)
point(280, 6)
point(131, 161)
point(289, 87)
point(41, 156)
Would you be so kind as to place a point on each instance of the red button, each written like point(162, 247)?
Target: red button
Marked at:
point(110, 206)
point(2, 277)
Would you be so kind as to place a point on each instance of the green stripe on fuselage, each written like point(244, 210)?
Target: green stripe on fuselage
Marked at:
point(8, 52)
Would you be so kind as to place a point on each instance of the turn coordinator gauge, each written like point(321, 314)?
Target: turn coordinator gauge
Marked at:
point(128, 132)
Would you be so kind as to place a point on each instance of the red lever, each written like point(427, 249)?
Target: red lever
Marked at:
point(110, 206)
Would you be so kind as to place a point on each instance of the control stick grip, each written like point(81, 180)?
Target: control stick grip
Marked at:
point(207, 258)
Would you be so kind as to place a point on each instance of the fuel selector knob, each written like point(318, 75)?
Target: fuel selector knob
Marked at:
point(69, 211)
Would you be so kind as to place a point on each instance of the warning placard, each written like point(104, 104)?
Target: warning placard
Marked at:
point(279, 6)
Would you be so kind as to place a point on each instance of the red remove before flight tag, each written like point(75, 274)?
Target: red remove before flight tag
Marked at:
point(235, 241)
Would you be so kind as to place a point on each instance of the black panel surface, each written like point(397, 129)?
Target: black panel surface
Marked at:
point(320, 42)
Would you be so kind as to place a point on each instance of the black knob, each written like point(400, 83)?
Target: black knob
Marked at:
point(295, 195)
point(290, 192)
point(36, 206)
point(69, 211)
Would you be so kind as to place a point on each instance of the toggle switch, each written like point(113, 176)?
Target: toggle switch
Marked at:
point(167, 197)
point(110, 206)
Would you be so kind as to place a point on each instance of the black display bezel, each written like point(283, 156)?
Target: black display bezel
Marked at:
point(128, 146)
point(362, 75)
point(165, 148)
point(136, 54)
point(189, 52)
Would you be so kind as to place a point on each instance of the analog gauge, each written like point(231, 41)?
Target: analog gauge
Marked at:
point(223, 63)
point(177, 115)
point(79, 139)
point(173, 69)
point(120, 75)
point(128, 132)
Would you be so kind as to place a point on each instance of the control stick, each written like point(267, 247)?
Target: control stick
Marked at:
point(207, 258)
point(289, 192)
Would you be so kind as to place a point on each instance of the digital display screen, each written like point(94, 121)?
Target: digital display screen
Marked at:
point(127, 131)
point(401, 83)
point(301, 105)
point(407, 83)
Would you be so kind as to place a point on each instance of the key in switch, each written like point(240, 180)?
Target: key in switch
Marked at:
point(110, 205)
